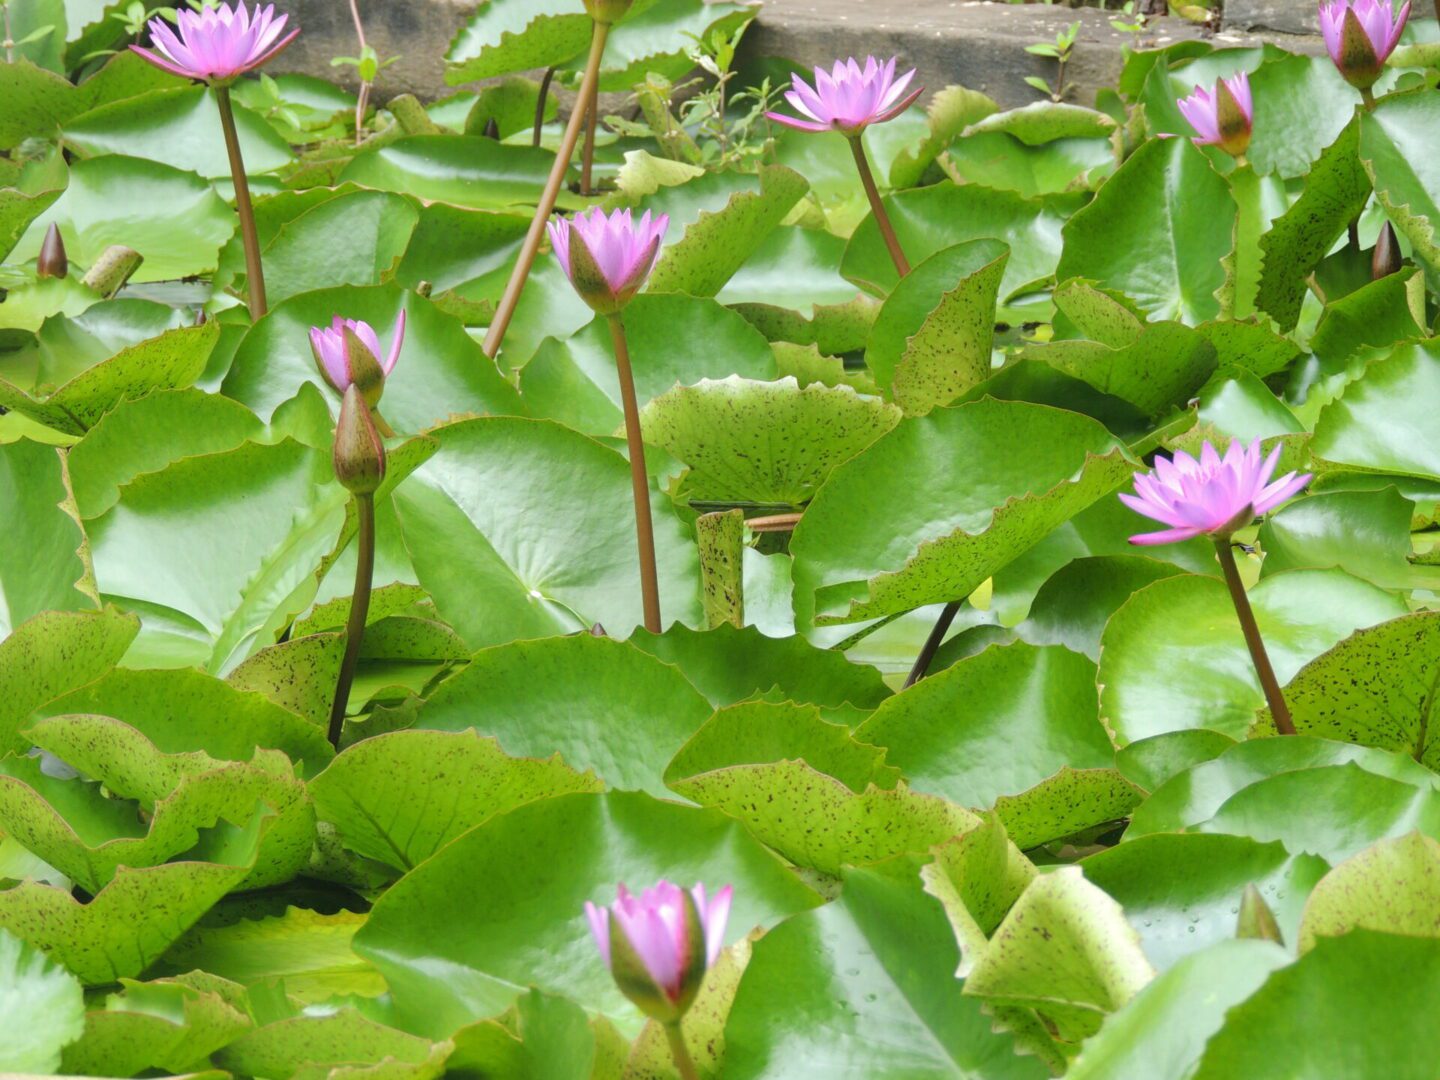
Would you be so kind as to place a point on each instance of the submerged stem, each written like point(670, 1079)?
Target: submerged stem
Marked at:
point(639, 482)
point(254, 274)
point(932, 643)
point(495, 336)
point(882, 219)
point(1273, 697)
point(359, 609)
point(684, 1064)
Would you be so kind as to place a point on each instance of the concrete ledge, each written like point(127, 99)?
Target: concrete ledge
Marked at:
point(980, 45)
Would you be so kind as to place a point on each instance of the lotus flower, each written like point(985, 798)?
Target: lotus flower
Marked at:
point(217, 44)
point(342, 366)
point(850, 98)
point(607, 259)
point(1223, 117)
point(1360, 36)
point(1210, 497)
point(659, 945)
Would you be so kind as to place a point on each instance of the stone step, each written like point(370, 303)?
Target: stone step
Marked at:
point(978, 44)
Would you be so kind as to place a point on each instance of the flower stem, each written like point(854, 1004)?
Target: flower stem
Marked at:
point(362, 100)
point(639, 482)
point(867, 179)
point(495, 336)
point(359, 608)
point(1367, 95)
point(545, 82)
point(587, 159)
point(684, 1064)
point(932, 643)
point(1273, 697)
point(254, 274)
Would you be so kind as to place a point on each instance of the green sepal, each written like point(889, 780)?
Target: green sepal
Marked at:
point(608, 11)
point(359, 454)
point(1233, 123)
point(1358, 62)
point(366, 374)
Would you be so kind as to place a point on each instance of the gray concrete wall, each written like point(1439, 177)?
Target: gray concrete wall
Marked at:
point(981, 45)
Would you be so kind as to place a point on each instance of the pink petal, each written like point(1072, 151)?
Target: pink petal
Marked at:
point(1168, 536)
point(798, 125)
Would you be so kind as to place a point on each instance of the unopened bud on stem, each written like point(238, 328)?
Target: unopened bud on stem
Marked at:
point(607, 11)
point(52, 261)
point(359, 452)
point(1385, 259)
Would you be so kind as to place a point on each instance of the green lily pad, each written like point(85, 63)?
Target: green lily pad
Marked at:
point(541, 863)
point(463, 170)
point(171, 217)
point(1368, 1036)
point(931, 341)
point(441, 371)
point(178, 127)
point(1174, 656)
point(524, 528)
point(1168, 190)
point(575, 381)
point(763, 442)
point(1028, 469)
point(815, 821)
point(127, 925)
point(865, 985)
point(631, 730)
point(44, 568)
point(367, 792)
point(43, 1002)
point(1376, 426)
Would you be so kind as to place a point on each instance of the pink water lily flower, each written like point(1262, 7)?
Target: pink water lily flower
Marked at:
point(675, 935)
point(217, 44)
point(1223, 117)
point(1210, 497)
point(328, 345)
point(849, 98)
point(607, 259)
point(1374, 32)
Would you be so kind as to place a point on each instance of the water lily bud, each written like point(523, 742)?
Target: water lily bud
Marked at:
point(849, 98)
point(217, 44)
point(596, 630)
point(1360, 35)
point(607, 259)
point(359, 454)
point(1256, 919)
point(347, 352)
point(52, 261)
point(1385, 259)
point(1210, 497)
point(608, 11)
point(659, 945)
point(1223, 118)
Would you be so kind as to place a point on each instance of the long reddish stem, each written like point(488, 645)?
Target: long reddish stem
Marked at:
point(639, 482)
point(254, 273)
point(359, 609)
point(1271, 685)
point(495, 336)
point(882, 219)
